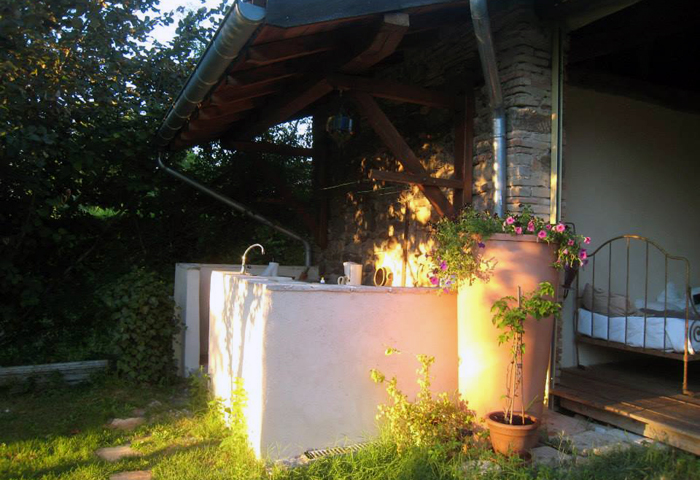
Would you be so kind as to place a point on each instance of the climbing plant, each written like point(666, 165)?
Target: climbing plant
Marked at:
point(142, 310)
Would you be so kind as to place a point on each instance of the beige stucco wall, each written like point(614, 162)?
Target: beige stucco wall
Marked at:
point(304, 352)
point(630, 167)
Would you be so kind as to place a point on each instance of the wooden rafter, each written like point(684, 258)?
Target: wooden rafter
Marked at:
point(403, 153)
point(411, 179)
point(302, 46)
point(277, 114)
point(214, 112)
point(387, 38)
point(266, 147)
point(225, 94)
point(395, 91)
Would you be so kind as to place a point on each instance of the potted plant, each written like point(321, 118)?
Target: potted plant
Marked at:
point(485, 258)
point(514, 429)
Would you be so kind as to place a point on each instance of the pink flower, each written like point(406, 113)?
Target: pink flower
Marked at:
point(587, 240)
point(510, 220)
point(531, 226)
point(518, 230)
point(561, 227)
point(565, 251)
point(434, 280)
point(571, 243)
point(443, 265)
point(542, 234)
point(548, 227)
point(446, 290)
point(583, 254)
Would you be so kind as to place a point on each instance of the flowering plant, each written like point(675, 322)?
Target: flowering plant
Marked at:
point(460, 254)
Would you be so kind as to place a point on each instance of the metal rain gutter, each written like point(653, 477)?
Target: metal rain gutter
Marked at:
point(240, 207)
point(487, 55)
point(235, 31)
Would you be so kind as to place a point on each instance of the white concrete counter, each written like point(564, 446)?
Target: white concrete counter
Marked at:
point(304, 352)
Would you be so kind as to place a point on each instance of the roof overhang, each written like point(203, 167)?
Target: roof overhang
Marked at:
point(283, 55)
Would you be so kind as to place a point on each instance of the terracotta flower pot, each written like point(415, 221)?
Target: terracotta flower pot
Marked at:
point(521, 261)
point(512, 439)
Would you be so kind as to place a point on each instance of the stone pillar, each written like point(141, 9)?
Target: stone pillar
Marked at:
point(523, 52)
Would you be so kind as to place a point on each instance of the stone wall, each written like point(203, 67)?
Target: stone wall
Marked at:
point(378, 224)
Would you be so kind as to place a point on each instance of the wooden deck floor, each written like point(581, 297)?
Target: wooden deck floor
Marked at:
point(640, 398)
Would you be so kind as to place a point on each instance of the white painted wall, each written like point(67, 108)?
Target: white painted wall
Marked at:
point(187, 301)
point(305, 351)
point(630, 167)
point(192, 300)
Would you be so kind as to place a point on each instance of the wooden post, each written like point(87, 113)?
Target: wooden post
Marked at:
point(464, 141)
point(320, 176)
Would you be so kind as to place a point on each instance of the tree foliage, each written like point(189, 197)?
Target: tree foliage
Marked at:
point(84, 89)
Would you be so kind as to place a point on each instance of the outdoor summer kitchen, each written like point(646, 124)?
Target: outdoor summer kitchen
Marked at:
point(320, 239)
point(455, 248)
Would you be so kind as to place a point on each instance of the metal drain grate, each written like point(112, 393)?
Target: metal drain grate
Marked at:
point(327, 452)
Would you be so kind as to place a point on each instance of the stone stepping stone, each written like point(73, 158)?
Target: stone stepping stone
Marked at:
point(135, 475)
point(549, 456)
point(126, 423)
point(562, 425)
point(596, 442)
point(114, 454)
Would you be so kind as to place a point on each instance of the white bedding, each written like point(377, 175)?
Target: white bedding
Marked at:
point(597, 327)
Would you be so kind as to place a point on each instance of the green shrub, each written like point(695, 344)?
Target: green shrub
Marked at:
point(439, 424)
point(141, 304)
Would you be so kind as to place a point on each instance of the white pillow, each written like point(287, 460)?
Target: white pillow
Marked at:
point(671, 293)
point(659, 306)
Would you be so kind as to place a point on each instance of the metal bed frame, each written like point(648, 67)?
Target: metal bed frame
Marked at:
point(693, 330)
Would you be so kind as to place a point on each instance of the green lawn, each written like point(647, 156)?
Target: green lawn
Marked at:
point(53, 431)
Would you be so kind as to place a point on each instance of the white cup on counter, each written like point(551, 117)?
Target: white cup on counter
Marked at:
point(353, 274)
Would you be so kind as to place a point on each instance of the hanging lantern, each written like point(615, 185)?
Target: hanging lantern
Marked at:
point(341, 126)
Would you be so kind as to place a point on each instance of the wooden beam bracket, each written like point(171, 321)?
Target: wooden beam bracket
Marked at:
point(408, 178)
point(403, 153)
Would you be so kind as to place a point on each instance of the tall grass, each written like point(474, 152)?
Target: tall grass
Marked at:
point(53, 435)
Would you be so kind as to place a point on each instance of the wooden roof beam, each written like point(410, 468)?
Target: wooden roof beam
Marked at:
point(396, 91)
point(225, 94)
point(403, 153)
point(277, 114)
point(296, 47)
point(267, 147)
point(387, 38)
point(212, 112)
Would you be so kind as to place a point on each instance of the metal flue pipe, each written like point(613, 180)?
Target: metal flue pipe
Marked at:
point(235, 31)
point(487, 55)
point(239, 207)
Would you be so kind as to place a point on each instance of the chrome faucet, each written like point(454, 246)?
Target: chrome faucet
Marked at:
point(245, 254)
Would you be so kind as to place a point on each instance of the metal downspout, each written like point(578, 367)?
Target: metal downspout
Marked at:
point(240, 207)
point(487, 55)
point(235, 31)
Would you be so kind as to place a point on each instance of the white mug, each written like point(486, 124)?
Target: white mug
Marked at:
point(342, 280)
point(353, 273)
